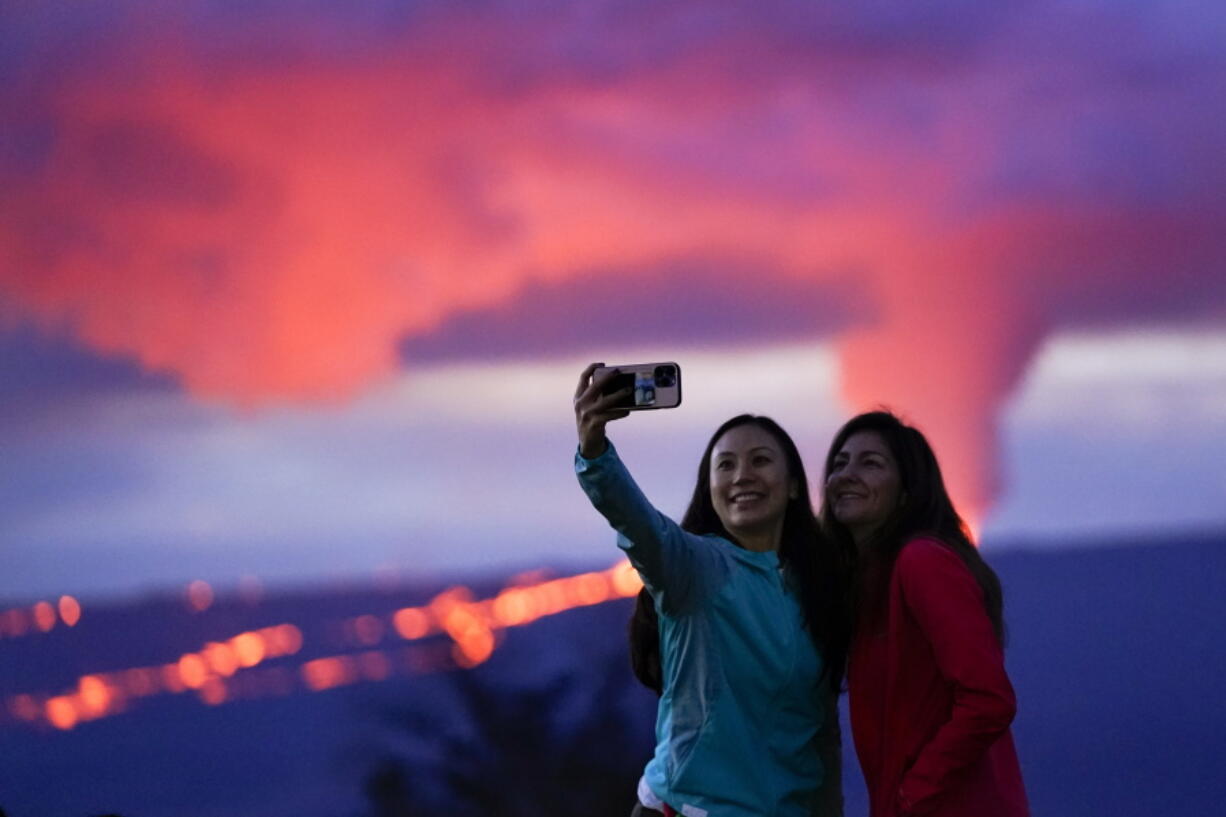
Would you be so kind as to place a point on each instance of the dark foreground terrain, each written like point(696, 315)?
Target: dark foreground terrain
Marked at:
point(1118, 653)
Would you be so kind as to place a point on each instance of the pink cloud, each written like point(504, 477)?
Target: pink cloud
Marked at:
point(268, 208)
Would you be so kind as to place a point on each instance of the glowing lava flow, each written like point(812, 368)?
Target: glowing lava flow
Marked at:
point(228, 670)
point(472, 624)
point(108, 693)
point(40, 617)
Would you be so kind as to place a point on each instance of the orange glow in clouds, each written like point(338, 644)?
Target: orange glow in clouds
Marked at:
point(275, 235)
point(267, 230)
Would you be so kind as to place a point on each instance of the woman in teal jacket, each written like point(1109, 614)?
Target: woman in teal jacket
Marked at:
point(752, 620)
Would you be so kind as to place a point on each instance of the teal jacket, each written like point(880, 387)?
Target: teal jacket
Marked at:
point(737, 726)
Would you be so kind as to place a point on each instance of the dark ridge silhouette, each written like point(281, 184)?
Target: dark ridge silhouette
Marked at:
point(1115, 653)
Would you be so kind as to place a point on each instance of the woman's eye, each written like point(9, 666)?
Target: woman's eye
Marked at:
point(723, 465)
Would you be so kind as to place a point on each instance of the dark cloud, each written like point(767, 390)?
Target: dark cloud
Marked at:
point(41, 370)
point(678, 304)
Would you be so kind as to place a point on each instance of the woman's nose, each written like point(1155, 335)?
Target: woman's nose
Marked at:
point(842, 478)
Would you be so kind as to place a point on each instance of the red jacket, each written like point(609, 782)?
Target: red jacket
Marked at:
point(930, 701)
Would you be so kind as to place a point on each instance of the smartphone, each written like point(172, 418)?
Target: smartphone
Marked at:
point(656, 385)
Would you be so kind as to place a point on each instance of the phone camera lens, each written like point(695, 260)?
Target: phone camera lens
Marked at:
point(665, 376)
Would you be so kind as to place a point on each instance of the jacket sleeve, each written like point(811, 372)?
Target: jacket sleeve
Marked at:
point(676, 567)
point(947, 604)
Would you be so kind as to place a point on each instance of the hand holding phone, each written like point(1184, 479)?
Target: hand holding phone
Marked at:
point(607, 393)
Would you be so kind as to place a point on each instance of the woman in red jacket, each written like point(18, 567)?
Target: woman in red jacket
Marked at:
point(930, 701)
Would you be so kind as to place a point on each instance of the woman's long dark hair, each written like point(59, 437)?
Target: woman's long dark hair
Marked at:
point(817, 565)
point(925, 509)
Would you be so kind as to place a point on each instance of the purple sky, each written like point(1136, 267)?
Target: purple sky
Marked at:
point(239, 245)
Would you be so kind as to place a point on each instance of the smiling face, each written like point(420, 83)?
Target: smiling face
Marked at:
point(751, 486)
point(864, 486)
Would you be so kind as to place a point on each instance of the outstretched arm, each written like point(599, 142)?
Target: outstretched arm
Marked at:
point(672, 563)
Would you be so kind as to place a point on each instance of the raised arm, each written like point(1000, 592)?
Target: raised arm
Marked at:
point(673, 564)
point(947, 603)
